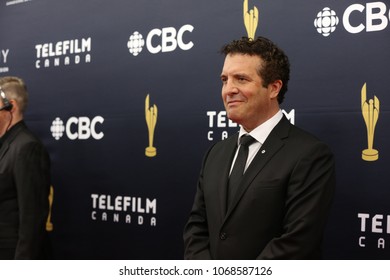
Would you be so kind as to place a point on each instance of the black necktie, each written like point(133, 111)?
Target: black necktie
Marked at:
point(239, 166)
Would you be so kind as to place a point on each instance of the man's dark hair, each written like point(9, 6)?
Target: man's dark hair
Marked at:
point(276, 64)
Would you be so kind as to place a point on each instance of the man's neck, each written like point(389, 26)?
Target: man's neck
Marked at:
point(16, 118)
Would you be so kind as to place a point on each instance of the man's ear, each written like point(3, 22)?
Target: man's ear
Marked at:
point(274, 88)
point(14, 105)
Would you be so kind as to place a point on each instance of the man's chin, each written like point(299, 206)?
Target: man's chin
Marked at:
point(233, 118)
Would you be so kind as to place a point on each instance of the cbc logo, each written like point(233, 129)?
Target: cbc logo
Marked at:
point(163, 40)
point(326, 21)
point(376, 18)
point(81, 128)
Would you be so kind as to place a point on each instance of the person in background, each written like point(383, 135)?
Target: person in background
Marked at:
point(24, 178)
point(276, 205)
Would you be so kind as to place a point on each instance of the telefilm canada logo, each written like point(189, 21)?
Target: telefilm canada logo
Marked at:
point(374, 230)
point(161, 40)
point(220, 125)
point(124, 209)
point(63, 53)
point(356, 18)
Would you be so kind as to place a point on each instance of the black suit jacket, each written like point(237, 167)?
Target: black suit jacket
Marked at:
point(280, 209)
point(24, 190)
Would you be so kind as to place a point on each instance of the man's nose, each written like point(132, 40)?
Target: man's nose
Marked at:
point(230, 87)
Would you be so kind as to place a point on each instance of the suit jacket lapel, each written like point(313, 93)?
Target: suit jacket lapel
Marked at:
point(3, 149)
point(271, 146)
point(226, 162)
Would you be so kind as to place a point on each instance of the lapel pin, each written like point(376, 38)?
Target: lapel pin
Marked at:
point(263, 151)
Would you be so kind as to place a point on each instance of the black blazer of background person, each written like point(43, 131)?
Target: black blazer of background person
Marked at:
point(24, 179)
point(281, 206)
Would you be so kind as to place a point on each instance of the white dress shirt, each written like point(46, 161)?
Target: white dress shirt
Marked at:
point(260, 133)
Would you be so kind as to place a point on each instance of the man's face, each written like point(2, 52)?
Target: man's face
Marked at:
point(247, 101)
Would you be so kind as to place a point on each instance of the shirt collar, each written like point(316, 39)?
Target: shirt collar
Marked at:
point(261, 132)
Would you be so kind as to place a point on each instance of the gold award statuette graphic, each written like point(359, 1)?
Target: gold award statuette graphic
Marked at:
point(49, 224)
point(151, 120)
point(370, 111)
point(251, 19)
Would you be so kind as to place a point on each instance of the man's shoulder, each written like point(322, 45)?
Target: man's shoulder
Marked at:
point(307, 142)
point(222, 147)
point(24, 134)
point(227, 142)
point(23, 137)
point(304, 135)
point(297, 137)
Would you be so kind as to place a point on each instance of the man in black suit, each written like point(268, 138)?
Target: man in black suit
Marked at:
point(279, 205)
point(24, 178)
